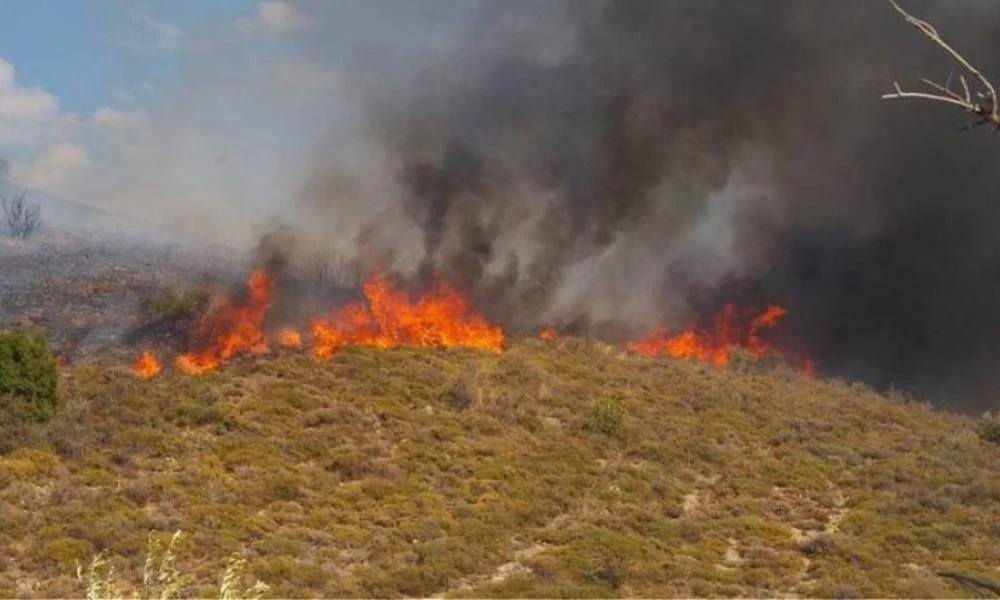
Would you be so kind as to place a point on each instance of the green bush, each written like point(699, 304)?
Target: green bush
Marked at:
point(28, 376)
point(172, 304)
point(607, 417)
point(989, 428)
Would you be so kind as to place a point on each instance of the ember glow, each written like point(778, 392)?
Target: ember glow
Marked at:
point(232, 327)
point(389, 317)
point(731, 331)
point(548, 334)
point(146, 365)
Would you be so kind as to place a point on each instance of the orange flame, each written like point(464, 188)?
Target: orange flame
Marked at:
point(718, 344)
point(231, 328)
point(146, 365)
point(442, 317)
point(290, 337)
point(388, 317)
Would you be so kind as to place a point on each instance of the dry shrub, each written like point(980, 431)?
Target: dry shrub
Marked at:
point(989, 427)
point(19, 218)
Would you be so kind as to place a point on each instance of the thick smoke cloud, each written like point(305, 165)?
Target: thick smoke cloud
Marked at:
point(637, 162)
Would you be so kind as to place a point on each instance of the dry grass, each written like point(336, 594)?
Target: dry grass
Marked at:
point(559, 469)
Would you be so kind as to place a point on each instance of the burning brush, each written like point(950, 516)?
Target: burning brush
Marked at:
point(732, 330)
point(441, 317)
point(146, 365)
point(385, 318)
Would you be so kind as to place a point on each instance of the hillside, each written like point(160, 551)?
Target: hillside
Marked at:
point(62, 217)
point(559, 469)
point(83, 274)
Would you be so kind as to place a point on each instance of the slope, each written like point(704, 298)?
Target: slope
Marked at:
point(558, 469)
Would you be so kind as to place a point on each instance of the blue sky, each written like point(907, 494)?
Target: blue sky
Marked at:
point(187, 112)
point(101, 99)
point(85, 51)
point(79, 52)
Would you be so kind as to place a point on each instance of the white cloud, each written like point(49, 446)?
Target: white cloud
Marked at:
point(35, 134)
point(118, 119)
point(274, 16)
point(22, 104)
point(29, 115)
point(49, 170)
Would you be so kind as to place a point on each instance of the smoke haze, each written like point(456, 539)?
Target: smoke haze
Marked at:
point(611, 166)
point(643, 162)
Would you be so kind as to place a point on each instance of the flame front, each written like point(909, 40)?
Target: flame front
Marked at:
point(146, 365)
point(388, 317)
point(442, 317)
point(716, 345)
point(385, 318)
point(231, 328)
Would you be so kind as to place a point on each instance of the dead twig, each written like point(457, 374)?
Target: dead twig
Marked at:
point(982, 103)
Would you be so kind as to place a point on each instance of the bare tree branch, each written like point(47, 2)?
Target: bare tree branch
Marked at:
point(19, 218)
point(985, 104)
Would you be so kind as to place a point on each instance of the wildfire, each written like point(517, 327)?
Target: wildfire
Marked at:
point(146, 365)
point(442, 317)
point(289, 337)
point(728, 334)
point(388, 317)
point(232, 327)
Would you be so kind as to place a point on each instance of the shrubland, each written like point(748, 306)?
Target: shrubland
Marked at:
point(562, 468)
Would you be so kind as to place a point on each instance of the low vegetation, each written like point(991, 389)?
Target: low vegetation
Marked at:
point(161, 578)
point(172, 304)
point(989, 427)
point(607, 417)
point(553, 469)
point(29, 380)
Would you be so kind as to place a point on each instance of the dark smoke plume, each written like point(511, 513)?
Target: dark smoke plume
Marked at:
point(645, 161)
